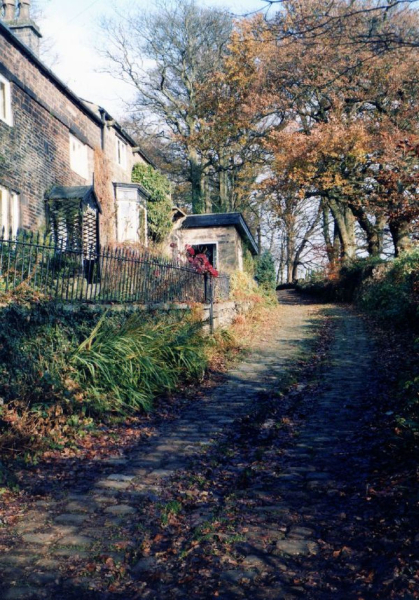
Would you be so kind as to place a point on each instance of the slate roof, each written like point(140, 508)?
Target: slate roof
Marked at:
point(87, 107)
point(83, 193)
point(137, 186)
point(223, 220)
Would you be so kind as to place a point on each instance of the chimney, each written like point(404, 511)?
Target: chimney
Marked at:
point(9, 8)
point(21, 23)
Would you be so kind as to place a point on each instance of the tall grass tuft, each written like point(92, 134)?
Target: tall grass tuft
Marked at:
point(61, 370)
point(122, 368)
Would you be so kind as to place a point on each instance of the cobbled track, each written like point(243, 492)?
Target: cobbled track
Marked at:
point(318, 471)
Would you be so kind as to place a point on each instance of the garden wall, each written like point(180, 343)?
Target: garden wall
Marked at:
point(224, 313)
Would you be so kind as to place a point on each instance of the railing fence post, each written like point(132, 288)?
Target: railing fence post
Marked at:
point(211, 292)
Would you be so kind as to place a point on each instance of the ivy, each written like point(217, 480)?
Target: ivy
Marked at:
point(159, 207)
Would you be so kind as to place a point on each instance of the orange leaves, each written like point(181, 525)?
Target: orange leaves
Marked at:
point(232, 95)
point(325, 159)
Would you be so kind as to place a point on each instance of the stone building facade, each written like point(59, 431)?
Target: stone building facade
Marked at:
point(223, 237)
point(50, 137)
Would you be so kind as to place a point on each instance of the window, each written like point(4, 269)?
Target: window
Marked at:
point(78, 157)
point(5, 101)
point(128, 221)
point(121, 153)
point(210, 251)
point(9, 212)
point(131, 214)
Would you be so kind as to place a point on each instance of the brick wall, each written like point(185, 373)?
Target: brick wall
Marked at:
point(35, 151)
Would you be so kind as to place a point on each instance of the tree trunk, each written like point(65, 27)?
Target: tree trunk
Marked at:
point(280, 275)
point(259, 236)
point(400, 234)
point(381, 223)
point(196, 179)
point(332, 245)
point(206, 196)
point(326, 232)
point(303, 244)
point(289, 257)
point(336, 244)
point(223, 190)
point(345, 222)
point(373, 231)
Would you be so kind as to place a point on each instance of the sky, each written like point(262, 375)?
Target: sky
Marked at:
point(72, 26)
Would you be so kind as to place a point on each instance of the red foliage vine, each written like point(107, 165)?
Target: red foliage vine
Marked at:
point(200, 262)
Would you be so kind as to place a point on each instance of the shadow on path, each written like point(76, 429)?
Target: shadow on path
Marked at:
point(99, 513)
point(248, 494)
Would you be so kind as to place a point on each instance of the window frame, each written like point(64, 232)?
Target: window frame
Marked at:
point(9, 212)
point(79, 157)
point(196, 244)
point(121, 151)
point(7, 116)
point(124, 226)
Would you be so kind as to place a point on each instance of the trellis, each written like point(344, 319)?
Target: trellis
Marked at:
point(73, 217)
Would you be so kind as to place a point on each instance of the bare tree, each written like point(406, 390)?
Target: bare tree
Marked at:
point(166, 54)
point(47, 49)
point(385, 21)
point(292, 227)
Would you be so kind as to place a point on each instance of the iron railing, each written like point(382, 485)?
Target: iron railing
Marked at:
point(99, 275)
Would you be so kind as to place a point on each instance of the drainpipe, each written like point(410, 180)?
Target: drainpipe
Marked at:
point(102, 132)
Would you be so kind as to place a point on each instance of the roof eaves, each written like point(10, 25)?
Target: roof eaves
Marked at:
point(31, 56)
point(249, 234)
point(76, 99)
point(60, 192)
point(106, 117)
point(222, 219)
point(140, 187)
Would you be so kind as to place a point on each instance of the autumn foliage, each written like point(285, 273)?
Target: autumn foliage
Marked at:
point(314, 104)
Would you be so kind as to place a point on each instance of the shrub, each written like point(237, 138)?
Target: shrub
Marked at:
point(36, 380)
point(243, 288)
point(159, 206)
point(122, 368)
point(249, 263)
point(394, 294)
point(346, 285)
point(265, 271)
point(387, 289)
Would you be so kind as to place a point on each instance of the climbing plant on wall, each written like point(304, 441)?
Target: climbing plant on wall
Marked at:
point(159, 205)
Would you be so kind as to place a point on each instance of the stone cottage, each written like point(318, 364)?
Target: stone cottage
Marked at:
point(223, 237)
point(52, 140)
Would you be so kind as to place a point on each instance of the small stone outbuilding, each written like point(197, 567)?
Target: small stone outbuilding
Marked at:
point(223, 237)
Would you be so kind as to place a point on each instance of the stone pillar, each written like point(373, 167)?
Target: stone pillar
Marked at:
point(9, 7)
point(24, 10)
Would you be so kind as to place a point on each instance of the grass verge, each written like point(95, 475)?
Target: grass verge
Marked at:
point(63, 375)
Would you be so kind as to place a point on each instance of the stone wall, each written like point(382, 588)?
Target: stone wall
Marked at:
point(224, 312)
point(227, 239)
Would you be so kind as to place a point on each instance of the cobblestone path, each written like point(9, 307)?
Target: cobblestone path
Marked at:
point(294, 515)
